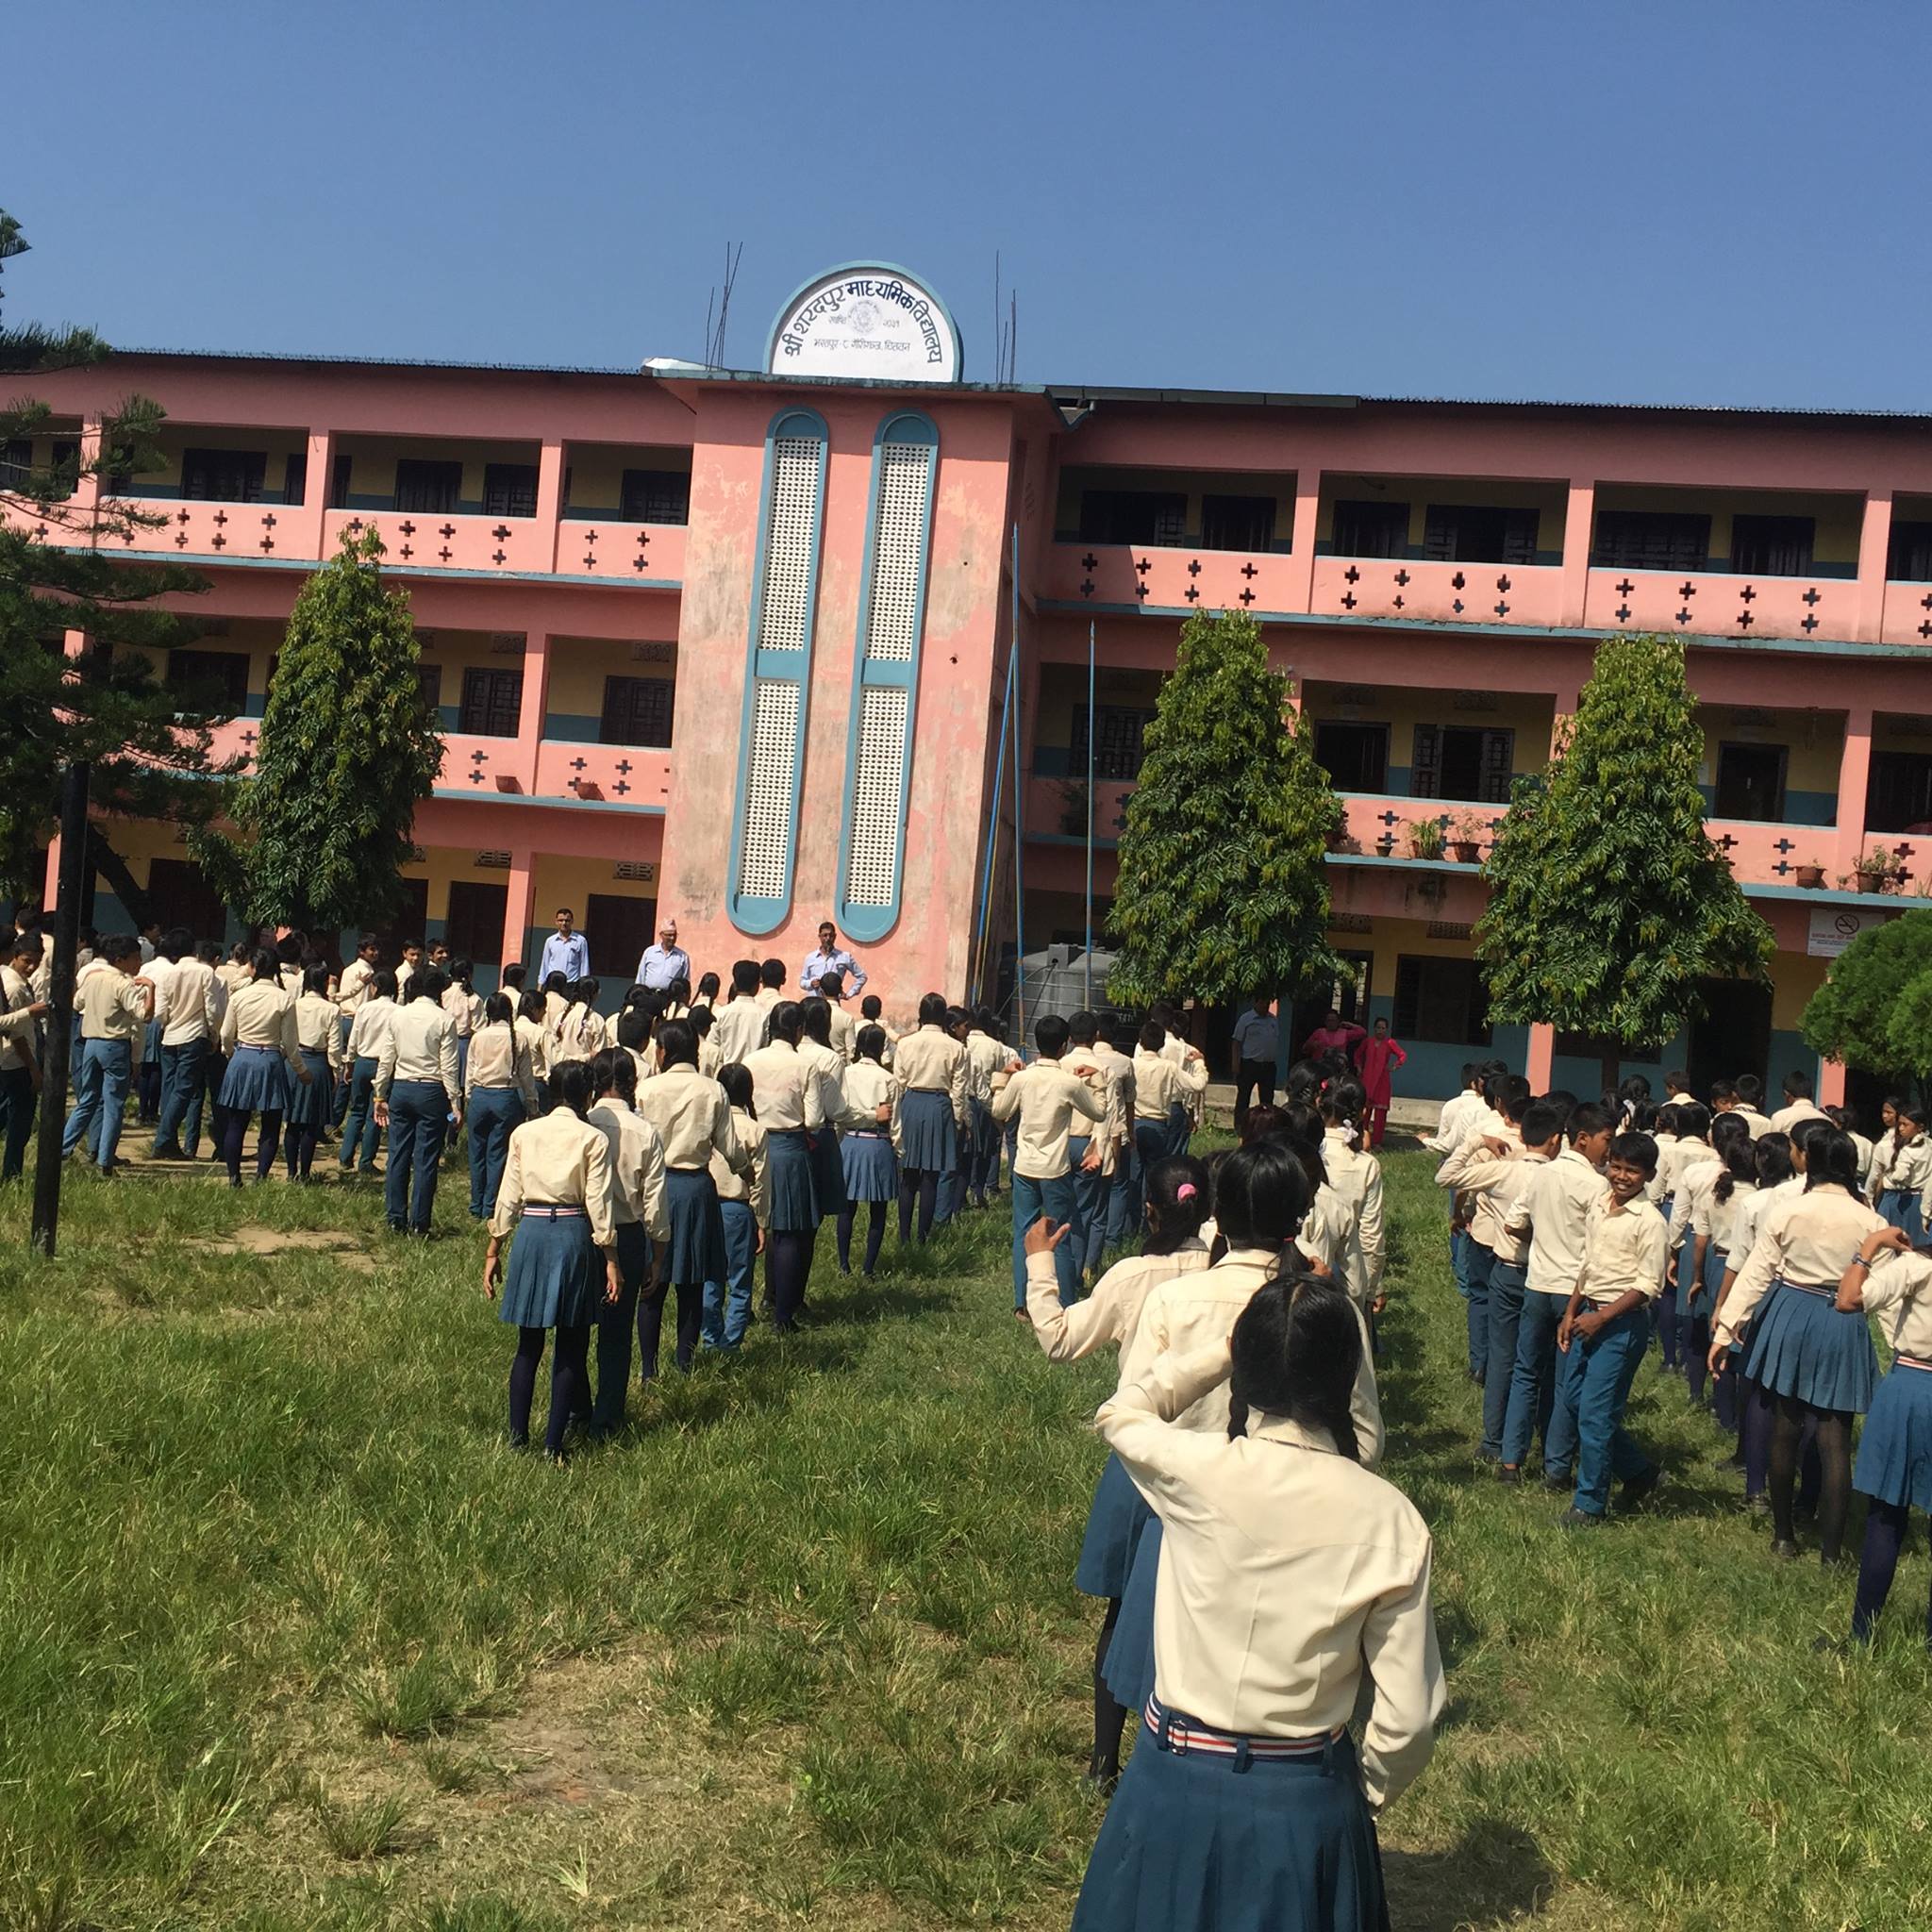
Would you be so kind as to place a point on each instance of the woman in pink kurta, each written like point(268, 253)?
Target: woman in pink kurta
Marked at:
point(1376, 1057)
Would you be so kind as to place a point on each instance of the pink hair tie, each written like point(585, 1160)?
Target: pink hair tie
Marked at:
point(1186, 1192)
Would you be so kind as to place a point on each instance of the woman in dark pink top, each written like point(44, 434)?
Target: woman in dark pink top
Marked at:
point(1376, 1057)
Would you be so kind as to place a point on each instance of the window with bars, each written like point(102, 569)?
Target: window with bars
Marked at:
point(656, 496)
point(1237, 522)
point(223, 476)
point(1370, 528)
point(1475, 533)
point(637, 710)
point(429, 686)
point(426, 489)
point(1133, 516)
point(1120, 731)
point(1443, 1000)
point(1650, 540)
point(296, 480)
point(1765, 546)
point(342, 472)
point(1909, 554)
point(492, 702)
point(509, 489)
point(473, 928)
point(213, 682)
point(16, 462)
point(1462, 761)
point(1356, 757)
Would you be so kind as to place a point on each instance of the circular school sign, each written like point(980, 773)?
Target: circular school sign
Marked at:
point(866, 319)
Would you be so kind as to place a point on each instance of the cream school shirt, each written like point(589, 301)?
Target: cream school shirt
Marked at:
point(190, 1009)
point(369, 1027)
point(1659, 1183)
point(1286, 1570)
point(1721, 1221)
point(1199, 1310)
point(1786, 1118)
point(636, 1167)
point(536, 1037)
point(558, 1162)
point(844, 1034)
point(1908, 1167)
point(1459, 1115)
point(1882, 1150)
point(831, 1069)
point(693, 1118)
point(1807, 1237)
point(1356, 1174)
point(1695, 1180)
point(1160, 1085)
point(112, 1005)
point(984, 1057)
point(1047, 1100)
point(1555, 1207)
point(1111, 1312)
point(353, 987)
point(930, 1060)
point(499, 1058)
point(739, 1029)
point(19, 1035)
point(1500, 1185)
point(867, 1087)
point(1902, 1283)
point(1624, 1248)
point(787, 1091)
point(749, 1184)
point(576, 1035)
point(262, 1014)
point(421, 1044)
point(317, 1027)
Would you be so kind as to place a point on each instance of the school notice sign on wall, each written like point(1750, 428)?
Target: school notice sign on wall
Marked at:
point(865, 319)
point(1834, 930)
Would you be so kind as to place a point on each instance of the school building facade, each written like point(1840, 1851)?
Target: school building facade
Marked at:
point(736, 645)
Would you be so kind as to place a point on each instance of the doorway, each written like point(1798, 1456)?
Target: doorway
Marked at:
point(1750, 782)
point(1900, 797)
point(1350, 992)
point(1731, 1036)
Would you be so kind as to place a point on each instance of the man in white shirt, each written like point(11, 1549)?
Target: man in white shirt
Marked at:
point(831, 957)
point(1256, 1047)
point(20, 1050)
point(566, 951)
point(185, 1007)
point(665, 961)
point(1799, 1105)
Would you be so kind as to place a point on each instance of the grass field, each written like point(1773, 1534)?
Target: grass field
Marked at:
point(287, 1640)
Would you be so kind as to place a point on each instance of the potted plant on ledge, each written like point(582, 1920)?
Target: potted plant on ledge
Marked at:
point(1875, 870)
point(1809, 873)
point(1466, 830)
point(1425, 838)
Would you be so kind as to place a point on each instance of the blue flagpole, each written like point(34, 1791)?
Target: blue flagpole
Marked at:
point(1019, 822)
point(1087, 994)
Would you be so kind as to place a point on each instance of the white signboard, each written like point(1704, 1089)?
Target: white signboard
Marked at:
point(867, 319)
point(1833, 928)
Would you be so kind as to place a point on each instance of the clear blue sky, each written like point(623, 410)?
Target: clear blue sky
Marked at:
point(1690, 200)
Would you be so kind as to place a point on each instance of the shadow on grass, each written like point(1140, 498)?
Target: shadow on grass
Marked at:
point(1494, 1877)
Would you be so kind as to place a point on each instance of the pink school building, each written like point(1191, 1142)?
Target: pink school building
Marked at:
point(735, 646)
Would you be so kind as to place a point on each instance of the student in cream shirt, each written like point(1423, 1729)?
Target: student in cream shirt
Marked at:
point(1047, 1101)
point(639, 1217)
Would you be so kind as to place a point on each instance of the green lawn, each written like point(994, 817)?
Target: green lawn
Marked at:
point(287, 1640)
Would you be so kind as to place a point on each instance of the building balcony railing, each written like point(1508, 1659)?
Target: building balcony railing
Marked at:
point(614, 774)
point(1908, 613)
point(1115, 573)
point(1711, 605)
point(210, 534)
point(1055, 809)
point(1484, 593)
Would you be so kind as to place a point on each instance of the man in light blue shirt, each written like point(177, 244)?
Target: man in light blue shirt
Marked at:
point(831, 957)
point(565, 950)
point(1257, 1043)
point(665, 961)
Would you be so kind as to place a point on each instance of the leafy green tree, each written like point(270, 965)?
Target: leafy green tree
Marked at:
point(1222, 892)
point(1609, 902)
point(1874, 1009)
point(347, 751)
point(148, 746)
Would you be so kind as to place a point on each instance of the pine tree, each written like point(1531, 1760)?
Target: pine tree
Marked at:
point(347, 751)
point(1874, 1009)
point(106, 708)
point(1222, 891)
point(1609, 902)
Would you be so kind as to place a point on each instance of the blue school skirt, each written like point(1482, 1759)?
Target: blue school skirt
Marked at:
point(927, 1140)
point(827, 1172)
point(697, 1226)
point(1115, 1525)
point(314, 1104)
point(1716, 1260)
point(1896, 1451)
point(1801, 1346)
point(1902, 1207)
point(555, 1276)
point(256, 1081)
point(870, 1167)
point(1201, 1841)
point(794, 1200)
point(1130, 1669)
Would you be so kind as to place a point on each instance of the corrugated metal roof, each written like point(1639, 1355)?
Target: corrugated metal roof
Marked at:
point(673, 369)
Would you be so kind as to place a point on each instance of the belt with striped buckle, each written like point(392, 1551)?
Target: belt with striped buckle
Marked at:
point(549, 1211)
point(1186, 1737)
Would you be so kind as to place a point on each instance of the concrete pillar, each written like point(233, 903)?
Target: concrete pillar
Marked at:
point(1875, 550)
point(317, 480)
point(1566, 698)
point(1831, 1083)
point(1854, 779)
point(536, 702)
point(1307, 507)
point(550, 499)
point(1542, 1056)
point(520, 905)
point(1578, 521)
